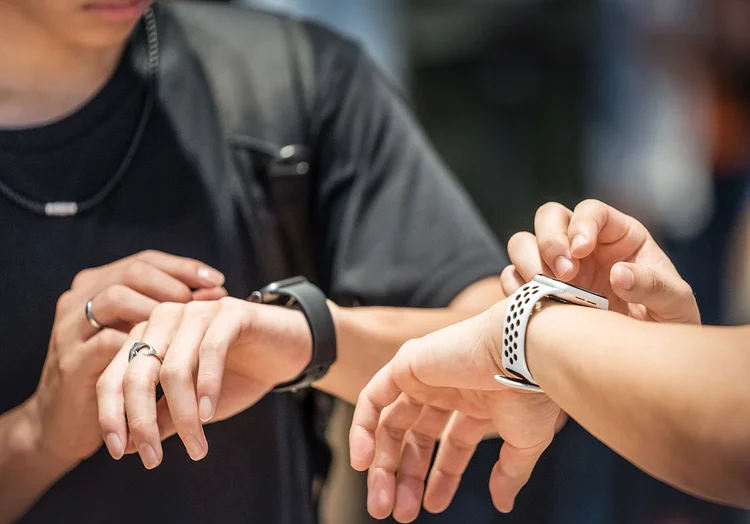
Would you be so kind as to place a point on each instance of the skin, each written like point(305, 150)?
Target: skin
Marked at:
point(635, 391)
point(54, 56)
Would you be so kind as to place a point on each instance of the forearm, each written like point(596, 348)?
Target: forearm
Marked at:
point(672, 399)
point(26, 471)
point(368, 337)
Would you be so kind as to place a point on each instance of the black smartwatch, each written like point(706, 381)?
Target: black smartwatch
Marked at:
point(300, 293)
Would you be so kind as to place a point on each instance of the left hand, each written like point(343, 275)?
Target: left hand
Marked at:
point(597, 247)
point(220, 358)
point(451, 369)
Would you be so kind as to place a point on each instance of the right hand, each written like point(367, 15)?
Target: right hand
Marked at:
point(602, 249)
point(63, 409)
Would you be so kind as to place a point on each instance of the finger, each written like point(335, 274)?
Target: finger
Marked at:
point(416, 455)
point(139, 384)
point(177, 376)
point(667, 297)
point(389, 440)
point(512, 472)
point(118, 307)
point(511, 280)
point(224, 330)
point(192, 272)
point(551, 228)
point(457, 446)
point(379, 393)
point(151, 281)
point(523, 250)
point(110, 400)
point(596, 223)
point(208, 294)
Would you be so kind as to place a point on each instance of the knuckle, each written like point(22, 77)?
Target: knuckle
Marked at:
point(57, 339)
point(167, 310)
point(229, 303)
point(140, 428)
point(553, 243)
point(198, 311)
point(518, 240)
point(104, 385)
point(589, 204)
point(548, 207)
point(135, 271)
point(172, 374)
point(108, 422)
point(147, 254)
point(207, 377)
point(138, 329)
point(393, 433)
point(113, 295)
point(64, 303)
point(422, 440)
point(184, 420)
point(82, 278)
point(108, 339)
point(68, 365)
point(137, 382)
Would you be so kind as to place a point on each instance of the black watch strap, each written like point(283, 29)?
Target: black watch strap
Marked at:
point(312, 301)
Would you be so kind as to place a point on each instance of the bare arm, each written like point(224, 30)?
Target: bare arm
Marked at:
point(369, 337)
point(674, 400)
point(26, 469)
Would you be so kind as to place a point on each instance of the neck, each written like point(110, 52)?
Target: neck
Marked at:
point(43, 78)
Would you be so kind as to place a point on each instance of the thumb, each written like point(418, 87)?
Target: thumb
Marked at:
point(667, 297)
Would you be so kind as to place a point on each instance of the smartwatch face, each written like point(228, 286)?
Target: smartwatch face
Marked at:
point(573, 294)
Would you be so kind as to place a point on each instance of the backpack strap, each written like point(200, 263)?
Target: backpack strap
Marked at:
point(261, 68)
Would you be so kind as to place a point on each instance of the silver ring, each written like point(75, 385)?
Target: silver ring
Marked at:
point(138, 348)
point(90, 317)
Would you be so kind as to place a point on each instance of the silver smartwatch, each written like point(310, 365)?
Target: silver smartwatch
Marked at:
point(522, 306)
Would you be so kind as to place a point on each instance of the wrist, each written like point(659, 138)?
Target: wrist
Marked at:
point(494, 346)
point(28, 443)
point(540, 325)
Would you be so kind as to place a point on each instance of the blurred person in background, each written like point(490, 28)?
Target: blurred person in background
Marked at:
point(669, 396)
point(121, 197)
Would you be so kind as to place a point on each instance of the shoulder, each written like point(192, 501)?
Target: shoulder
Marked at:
point(246, 28)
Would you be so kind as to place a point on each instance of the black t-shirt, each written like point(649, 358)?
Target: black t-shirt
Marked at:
point(396, 230)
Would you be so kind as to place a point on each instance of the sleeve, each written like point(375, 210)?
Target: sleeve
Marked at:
point(393, 226)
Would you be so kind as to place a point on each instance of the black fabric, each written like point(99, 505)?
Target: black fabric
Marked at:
point(392, 228)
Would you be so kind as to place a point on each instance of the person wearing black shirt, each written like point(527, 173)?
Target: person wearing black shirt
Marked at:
point(105, 212)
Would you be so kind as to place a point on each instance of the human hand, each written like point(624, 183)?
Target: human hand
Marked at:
point(63, 409)
point(406, 405)
point(219, 358)
point(600, 248)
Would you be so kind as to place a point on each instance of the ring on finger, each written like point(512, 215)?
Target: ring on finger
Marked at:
point(145, 349)
point(90, 316)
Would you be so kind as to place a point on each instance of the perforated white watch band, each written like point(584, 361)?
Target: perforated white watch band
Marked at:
point(521, 307)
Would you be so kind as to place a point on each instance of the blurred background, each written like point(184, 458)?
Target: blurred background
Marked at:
point(642, 103)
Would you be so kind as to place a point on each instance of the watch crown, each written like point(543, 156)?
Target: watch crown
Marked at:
point(256, 297)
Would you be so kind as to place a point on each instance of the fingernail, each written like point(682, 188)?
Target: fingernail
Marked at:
point(148, 456)
point(626, 276)
point(211, 276)
point(194, 448)
point(562, 266)
point(578, 241)
point(205, 409)
point(114, 446)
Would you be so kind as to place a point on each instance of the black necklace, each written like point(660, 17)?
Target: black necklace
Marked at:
point(66, 209)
